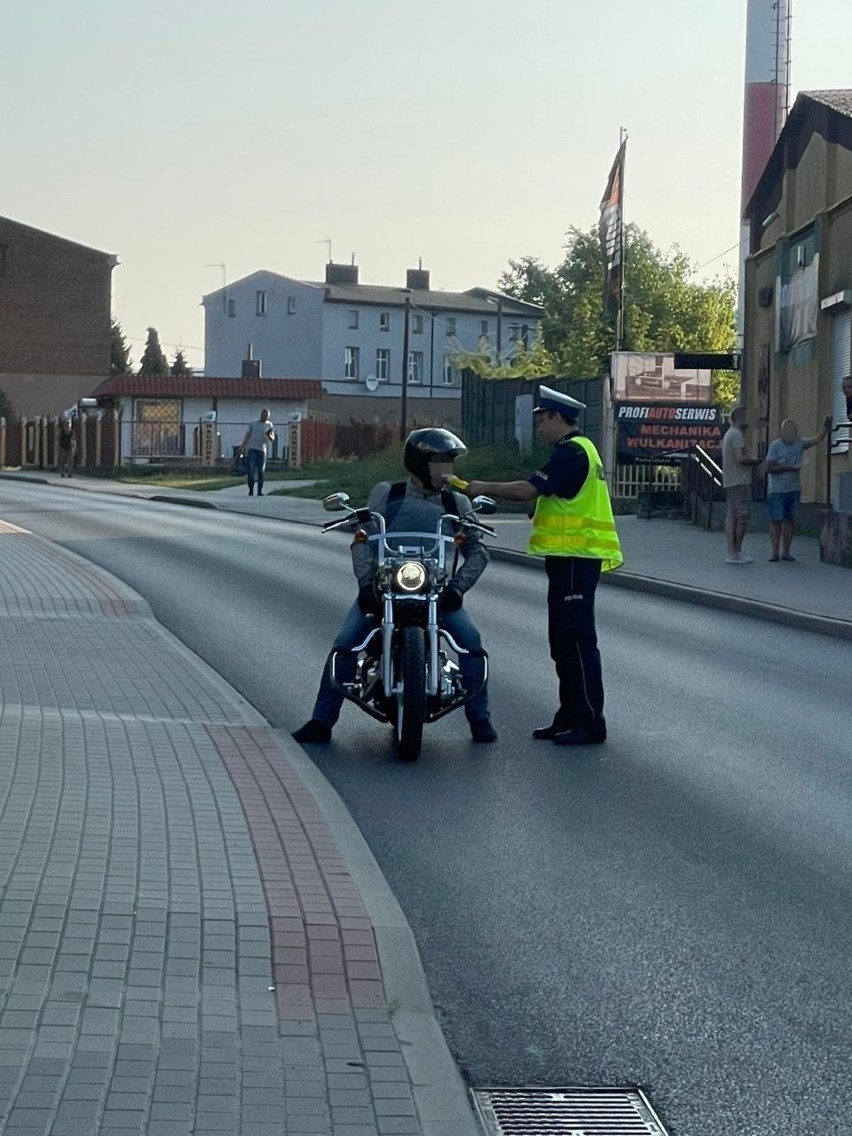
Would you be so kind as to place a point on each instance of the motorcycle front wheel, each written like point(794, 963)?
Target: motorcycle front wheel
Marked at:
point(411, 696)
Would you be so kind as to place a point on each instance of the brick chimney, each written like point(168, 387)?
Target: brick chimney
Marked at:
point(417, 279)
point(341, 273)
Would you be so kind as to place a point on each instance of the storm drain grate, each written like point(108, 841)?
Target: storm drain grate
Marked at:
point(566, 1112)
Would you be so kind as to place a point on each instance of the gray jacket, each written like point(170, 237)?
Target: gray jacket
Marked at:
point(419, 511)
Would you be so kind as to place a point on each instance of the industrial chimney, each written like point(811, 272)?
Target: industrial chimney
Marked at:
point(767, 101)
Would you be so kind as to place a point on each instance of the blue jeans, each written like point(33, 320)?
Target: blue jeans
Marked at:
point(357, 626)
point(255, 465)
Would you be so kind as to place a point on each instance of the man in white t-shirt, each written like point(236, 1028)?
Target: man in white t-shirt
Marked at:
point(254, 444)
point(736, 478)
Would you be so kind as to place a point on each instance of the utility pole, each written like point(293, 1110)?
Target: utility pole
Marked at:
point(403, 417)
point(499, 331)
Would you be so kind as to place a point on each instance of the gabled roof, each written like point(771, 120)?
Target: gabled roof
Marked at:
point(479, 301)
point(430, 300)
point(196, 386)
point(63, 240)
point(827, 113)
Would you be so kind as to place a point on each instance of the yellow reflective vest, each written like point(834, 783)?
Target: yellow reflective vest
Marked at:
point(582, 526)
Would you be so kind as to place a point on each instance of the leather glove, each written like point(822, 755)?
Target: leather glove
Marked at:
point(368, 601)
point(451, 599)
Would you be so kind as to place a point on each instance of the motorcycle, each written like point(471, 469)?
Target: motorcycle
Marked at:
point(405, 669)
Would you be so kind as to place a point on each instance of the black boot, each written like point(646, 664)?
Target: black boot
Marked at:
point(313, 731)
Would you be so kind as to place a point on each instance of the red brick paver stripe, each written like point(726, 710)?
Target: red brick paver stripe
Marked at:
point(324, 954)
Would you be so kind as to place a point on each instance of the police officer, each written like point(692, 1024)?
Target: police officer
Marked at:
point(574, 530)
point(415, 505)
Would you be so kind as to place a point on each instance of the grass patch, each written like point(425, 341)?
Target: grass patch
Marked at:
point(200, 480)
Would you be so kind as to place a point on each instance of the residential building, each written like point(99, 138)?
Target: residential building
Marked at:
point(351, 336)
point(161, 415)
point(798, 301)
point(54, 318)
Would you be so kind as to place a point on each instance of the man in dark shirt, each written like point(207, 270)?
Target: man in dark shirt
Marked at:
point(573, 529)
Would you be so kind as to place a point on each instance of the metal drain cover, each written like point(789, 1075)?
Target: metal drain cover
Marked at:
point(573, 1111)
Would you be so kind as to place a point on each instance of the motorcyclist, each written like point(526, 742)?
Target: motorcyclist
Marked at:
point(413, 506)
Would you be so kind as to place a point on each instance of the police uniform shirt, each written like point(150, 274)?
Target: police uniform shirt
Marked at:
point(565, 472)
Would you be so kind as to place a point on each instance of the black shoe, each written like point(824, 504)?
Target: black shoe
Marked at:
point(482, 731)
point(260, 492)
point(579, 737)
point(313, 731)
point(548, 733)
point(251, 492)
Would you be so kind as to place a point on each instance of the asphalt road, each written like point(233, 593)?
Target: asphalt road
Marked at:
point(672, 910)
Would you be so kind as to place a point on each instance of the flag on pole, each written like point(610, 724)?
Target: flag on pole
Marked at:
point(611, 230)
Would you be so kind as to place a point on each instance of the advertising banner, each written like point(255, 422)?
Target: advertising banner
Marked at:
point(647, 377)
point(664, 434)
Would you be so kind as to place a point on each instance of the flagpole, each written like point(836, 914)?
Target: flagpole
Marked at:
point(619, 324)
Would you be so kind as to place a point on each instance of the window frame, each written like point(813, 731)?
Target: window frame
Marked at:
point(383, 364)
point(451, 325)
point(416, 323)
point(261, 304)
point(291, 305)
point(354, 319)
point(384, 321)
point(232, 308)
point(415, 365)
point(351, 363)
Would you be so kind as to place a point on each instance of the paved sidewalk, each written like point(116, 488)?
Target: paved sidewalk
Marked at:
point(194, 937)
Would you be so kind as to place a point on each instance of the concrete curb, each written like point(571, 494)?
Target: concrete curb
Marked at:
point(437, 1086)
point(721, 601)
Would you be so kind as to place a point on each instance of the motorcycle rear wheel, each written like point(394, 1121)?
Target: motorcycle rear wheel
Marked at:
point(411, 699)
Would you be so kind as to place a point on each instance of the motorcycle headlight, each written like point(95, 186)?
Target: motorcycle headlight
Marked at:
point(410, 578)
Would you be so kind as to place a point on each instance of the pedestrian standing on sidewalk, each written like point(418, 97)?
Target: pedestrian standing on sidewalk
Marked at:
point(67, 445)
point(783, 465)
point(574, 530)
point(254, 444)
point(736, 479)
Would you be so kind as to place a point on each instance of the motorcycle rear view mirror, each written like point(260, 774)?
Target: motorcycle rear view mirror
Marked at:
point(485, 505)
point(336, 502)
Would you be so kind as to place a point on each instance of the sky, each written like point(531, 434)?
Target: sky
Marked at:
point(187, 134)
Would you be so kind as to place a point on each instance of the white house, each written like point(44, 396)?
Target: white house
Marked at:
point(352, 336)
point(161, 414)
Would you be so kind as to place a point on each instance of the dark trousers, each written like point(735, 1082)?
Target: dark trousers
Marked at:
point(572, 582)
point(255, 465)
point(357, 626)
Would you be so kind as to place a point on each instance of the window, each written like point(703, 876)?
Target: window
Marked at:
point(451, 374)
point(383, 364)
point(232, 307)
point(261, 303)
point(384, 321)
point(417, 324)
point(353, 319)
point(157, 428)
point(415, 367)
point(451, 325)
point(3, 250)
point(291, 305)
point(350, 370)
point(483, 327)
point(514, 332)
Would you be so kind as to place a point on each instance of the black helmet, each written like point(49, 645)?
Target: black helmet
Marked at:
point(422, 445)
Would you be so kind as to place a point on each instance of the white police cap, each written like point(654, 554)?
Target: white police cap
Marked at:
point(554, 400)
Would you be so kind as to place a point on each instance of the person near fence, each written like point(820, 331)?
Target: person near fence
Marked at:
point(574, 530)
point(783, 466)
point(67, 446)
point(254, 444)
point(736, 480)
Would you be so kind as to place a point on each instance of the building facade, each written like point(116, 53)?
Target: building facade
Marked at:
point(798, 301)
point(352, 337)
point(162, 415)
point(55, 300)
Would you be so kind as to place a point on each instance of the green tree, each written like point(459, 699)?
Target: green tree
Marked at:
point(665, 308)
point(180, 366)
point(519, 362)
point(154, 362)
point(120, 362)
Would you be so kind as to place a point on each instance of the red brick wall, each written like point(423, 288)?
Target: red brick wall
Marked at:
point(54, 304)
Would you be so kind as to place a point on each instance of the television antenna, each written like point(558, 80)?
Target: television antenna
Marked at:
point(325, 241)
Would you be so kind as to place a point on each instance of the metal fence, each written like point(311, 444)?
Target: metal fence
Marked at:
point(488, 406)
point(629, 481)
